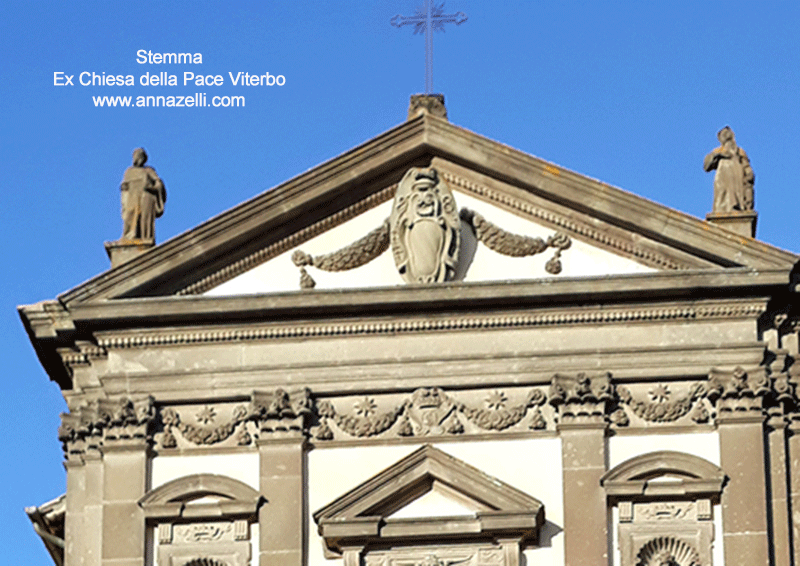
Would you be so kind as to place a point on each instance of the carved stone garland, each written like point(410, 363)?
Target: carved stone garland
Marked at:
point(430, 411)
point(204, 435)
point(662, 409)
point(424, 231)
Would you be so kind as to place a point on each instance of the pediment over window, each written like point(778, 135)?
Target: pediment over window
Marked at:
point(664, 473)
point(199, 496)
point(382, 509)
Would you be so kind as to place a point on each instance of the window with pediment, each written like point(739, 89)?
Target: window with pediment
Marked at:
point(665, 507)
point(486, 522)
point(202, 520)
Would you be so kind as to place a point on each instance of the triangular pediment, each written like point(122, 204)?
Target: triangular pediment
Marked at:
point(618, 231)
point(409, 501)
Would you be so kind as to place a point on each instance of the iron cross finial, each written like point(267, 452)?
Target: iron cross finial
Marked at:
point(429, 19)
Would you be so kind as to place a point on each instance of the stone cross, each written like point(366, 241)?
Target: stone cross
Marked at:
point(429, 19)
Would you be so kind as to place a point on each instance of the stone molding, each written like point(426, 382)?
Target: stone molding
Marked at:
point(603, 238)
point(581, 399)
point(547, 317)
point(361, 518)
point(738, 393)
point(170, 501)
point(269, 415)
point(690, 476)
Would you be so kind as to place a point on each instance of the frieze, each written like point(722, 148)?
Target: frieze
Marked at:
point(665, 511)
point(208, 428)
point(431, 412)
point(665, 405)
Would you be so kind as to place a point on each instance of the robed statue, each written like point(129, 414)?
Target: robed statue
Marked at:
point(143, 198)
point(733, 183)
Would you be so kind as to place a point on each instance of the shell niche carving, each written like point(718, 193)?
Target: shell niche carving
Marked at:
point(425, 228)
point(667, 551)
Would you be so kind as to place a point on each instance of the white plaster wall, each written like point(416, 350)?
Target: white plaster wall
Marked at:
point(242, 466)
point(703, 444)
point(533, 466)
point(280, 274)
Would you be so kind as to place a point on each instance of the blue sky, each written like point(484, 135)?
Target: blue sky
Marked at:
point(629, 92)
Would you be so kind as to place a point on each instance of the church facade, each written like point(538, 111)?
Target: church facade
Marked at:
point(431, 350)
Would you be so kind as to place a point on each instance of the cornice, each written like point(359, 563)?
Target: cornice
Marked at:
point(641, 313)
point(373, 303)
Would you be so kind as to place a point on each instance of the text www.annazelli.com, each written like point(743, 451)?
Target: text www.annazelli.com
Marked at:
point(197, 100)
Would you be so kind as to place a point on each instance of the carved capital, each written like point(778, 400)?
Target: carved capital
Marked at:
point(738, 391)
point(581, 399)
point(280, 411)
point(102, 422)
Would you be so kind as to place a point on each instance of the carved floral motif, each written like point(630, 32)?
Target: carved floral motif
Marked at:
point(201, 435)
point(429, 411)
point(660, 409)
point(496, 416)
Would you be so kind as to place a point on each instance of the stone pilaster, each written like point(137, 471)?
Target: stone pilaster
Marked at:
point(80, 436)
point(794, 483)
point(125, 480)
point(740, 416)
point(581, 402)
point(282, 422)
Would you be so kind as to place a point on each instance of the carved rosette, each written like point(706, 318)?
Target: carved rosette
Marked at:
point(425, 228)
point(432, 412)
point(103, 422)
point(581, 399)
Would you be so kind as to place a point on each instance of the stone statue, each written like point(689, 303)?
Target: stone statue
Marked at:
point(733, 184)
point(143, 198)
